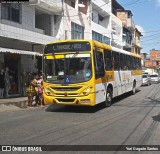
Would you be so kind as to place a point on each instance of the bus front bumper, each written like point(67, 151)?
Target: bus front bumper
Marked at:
point(81, 101)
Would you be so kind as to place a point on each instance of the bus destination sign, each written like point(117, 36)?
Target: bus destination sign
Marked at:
point(67, 47)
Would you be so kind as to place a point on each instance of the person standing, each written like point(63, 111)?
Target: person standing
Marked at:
point(2, 83)
point(40, 90)
point(7, 81)
point(24, 80)
point(31, 92)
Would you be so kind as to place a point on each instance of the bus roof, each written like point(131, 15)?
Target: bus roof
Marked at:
point(100, 45)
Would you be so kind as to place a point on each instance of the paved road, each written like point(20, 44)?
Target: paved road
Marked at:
point(131, 120)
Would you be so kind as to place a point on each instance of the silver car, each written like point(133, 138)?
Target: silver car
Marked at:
point(146, 79)
point(154, 78)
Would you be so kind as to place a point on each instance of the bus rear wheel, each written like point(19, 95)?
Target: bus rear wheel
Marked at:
point(108, 101)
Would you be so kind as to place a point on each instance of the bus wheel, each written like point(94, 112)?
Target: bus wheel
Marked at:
point(134, 88)
point(108, 101)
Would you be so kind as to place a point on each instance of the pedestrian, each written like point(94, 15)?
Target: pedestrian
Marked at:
point(25, 78)
point(7, 81)
point(2, 83)
point(36, 77)
point(40, 91)
point(31, 92)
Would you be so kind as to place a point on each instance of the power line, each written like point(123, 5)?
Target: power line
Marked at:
point(150, 36)
point(134, 2)
point(151, 31)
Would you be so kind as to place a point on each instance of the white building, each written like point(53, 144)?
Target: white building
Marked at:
point(117, 27)
point(101, 21)
point(24, 29)
point(92, 19)
point(77, 19)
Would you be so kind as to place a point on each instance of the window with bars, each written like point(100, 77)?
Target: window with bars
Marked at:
point(96, 36)
point(77, 31)
point(10, 11)
point(101, 38)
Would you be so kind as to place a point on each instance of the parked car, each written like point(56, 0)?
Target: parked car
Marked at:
point(146, 79)
point(154, 78)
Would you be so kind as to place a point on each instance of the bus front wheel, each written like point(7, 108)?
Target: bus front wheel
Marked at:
point(108, 101)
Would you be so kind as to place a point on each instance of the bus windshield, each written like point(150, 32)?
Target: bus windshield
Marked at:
point(73, 68)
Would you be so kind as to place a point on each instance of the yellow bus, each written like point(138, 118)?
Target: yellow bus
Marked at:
point(87, 72)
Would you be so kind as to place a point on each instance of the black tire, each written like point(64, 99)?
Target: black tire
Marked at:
point(108, 101)
point(134, 88)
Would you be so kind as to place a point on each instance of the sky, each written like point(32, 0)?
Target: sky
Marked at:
point(146, 17)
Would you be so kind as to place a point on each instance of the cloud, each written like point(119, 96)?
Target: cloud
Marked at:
point(158, 2)
point(140, 29)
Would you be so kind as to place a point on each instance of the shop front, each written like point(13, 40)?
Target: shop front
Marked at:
point(12, 63)
point(15, 65)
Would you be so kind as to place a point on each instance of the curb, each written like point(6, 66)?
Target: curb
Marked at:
point(20, 104)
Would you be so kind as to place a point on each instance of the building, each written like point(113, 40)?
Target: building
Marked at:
point(131, 35)
point(128, 28)
point(151, 64)
point(155, 57)
point(116, 25)
point(24, 29)
point(101, 21)
point(76, 19)
point(87, 19)
point(136, 46)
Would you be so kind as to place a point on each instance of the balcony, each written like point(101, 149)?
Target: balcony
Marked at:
point(103, 7)
point(116, 21)
point(49, 5)
point(35, 36)
point(130, 24)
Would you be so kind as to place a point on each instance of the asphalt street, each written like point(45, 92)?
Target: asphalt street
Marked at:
point(131, 120)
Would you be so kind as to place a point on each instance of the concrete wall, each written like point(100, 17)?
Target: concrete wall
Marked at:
point(73, 15)
point(26, 31)
point(28, 63)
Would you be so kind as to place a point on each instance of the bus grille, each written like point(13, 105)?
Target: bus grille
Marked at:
point(66, 94)
point(66, 88)
point(65, 100)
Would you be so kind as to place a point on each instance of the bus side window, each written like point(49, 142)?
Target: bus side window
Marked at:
point(108, 60)
point(98, 64)
point(116, 60)
point(133, 63)
point(140, 64)
point(122, 59)
point(125, 62)
point(129, 62)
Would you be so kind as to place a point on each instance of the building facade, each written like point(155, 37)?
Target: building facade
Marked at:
point(26, 27)
point(136, 45)
point(128, 28)
point(101, 21)
point(151, 64)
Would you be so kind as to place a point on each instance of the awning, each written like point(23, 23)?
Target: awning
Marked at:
point(23, 52)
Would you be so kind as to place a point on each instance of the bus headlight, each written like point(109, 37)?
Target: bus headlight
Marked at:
point(87, 91)
point(48, 91)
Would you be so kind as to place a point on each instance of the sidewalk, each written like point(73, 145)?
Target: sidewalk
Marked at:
point(19, 101)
